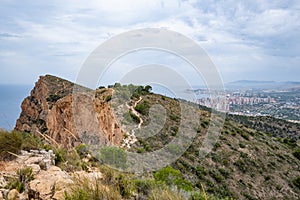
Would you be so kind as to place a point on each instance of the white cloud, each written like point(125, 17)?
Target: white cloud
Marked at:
point(234, 33)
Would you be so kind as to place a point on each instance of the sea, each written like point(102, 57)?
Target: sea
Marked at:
point(11, 97)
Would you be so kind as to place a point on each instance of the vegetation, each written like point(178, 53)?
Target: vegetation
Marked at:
point(296, 182)
point(296, 153)
point(24, 176)
point(113, 156)
point(143, 107)
point(172, 177)
point(12, 143)
point(250, 153)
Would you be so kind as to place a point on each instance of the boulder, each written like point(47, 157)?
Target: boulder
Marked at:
point(13, 194)
point(50, 183)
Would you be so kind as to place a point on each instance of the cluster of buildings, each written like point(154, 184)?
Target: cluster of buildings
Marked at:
point(241, 100)
point(233, 100)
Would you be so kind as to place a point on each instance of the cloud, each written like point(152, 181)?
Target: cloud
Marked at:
point(58, 36)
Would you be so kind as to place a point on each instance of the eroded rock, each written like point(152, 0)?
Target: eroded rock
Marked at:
point(67, 117)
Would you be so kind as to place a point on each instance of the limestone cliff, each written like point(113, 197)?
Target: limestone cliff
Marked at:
point(54, 110)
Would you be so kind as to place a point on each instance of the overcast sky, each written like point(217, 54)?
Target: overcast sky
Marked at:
point(253, 40)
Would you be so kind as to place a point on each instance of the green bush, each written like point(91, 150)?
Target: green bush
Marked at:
point(201, 172)
point(172, 177)
point(113, 156)
point(241, 165)
point(143, 107)
point(217, 176)
point(296, 182)
point(290, 142)
point(297, 153)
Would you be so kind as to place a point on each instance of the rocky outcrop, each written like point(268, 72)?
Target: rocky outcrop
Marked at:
point(48, 181)
point(53, 109)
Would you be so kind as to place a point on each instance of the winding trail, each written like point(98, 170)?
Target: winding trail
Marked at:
point(131, 138)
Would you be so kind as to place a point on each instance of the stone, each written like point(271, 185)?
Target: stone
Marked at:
point(45, 183)
point(13, 194)
point(62, 186)
point(35, 168)
point(23, 196)
point(4, 192)
point(34, 152)
point(25, 153)
point(47, 164)
point(2, 181)
point(43, 151)
point(34, 160)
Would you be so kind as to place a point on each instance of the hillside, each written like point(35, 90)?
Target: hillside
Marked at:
point(247, 161)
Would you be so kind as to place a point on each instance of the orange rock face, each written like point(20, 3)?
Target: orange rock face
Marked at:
point(69, 118)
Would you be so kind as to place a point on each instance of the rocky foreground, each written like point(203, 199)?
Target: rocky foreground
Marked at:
point(48, 181)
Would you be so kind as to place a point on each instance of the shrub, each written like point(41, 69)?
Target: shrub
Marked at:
point(24, 176)
point(201, 172)
point(245, 135)
point(296, 182)
point(143, 107)
point(113, 156)
point(241, 165)
point(134, 117)
point(291, 142)
point(172, 177)
point(165, 194)
point(9, 143)
point(214, 174)
point(225, 173)
point(297, 153)
point(85, 189)
point(144, 186)
point(242, 145)
point(204, 124)
point(12, 142)
point(82, 150)
point(140, 150)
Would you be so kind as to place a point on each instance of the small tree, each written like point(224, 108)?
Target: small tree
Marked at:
point(148, 88)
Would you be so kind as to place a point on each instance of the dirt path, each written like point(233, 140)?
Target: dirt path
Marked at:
point(131, 138)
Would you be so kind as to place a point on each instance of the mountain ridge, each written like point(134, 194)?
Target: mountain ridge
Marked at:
point(245, 163)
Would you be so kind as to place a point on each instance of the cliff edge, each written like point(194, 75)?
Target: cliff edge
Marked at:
point(49, 112)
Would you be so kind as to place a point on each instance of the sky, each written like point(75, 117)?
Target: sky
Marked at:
point(246, 40)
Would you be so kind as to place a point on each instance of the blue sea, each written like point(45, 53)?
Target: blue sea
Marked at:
point(11, 97)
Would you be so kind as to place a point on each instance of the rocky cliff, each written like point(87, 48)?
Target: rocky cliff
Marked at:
point(54, 110)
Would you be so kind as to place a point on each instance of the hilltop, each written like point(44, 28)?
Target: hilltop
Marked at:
point(248, 160)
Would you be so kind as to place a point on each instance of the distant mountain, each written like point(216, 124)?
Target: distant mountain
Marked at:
point(252, 84)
